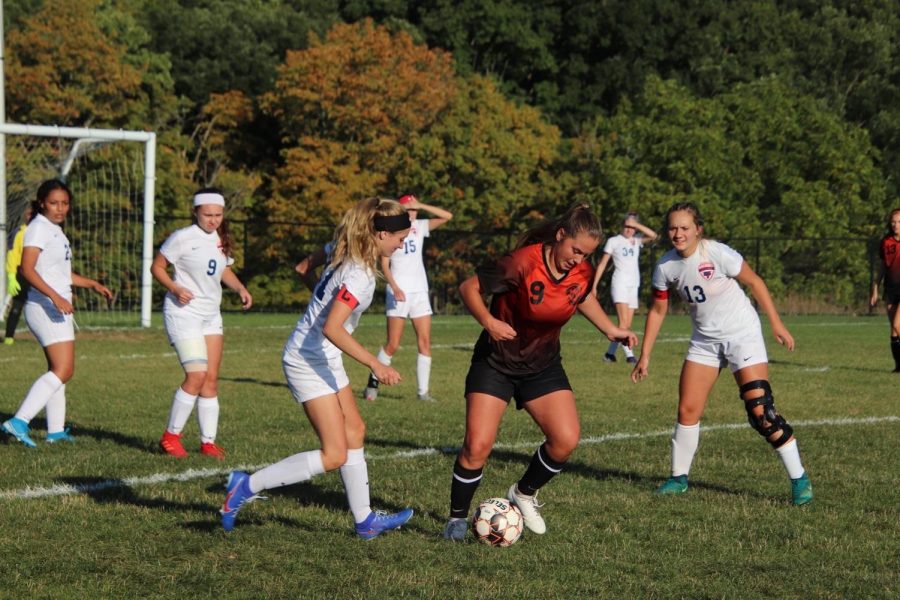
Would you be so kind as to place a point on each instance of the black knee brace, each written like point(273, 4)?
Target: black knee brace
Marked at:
point(769, 422)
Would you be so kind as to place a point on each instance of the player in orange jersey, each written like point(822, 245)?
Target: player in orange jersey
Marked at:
point(889, 270)
point(536, 289)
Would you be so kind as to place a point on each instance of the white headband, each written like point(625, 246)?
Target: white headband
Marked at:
point(209, 198)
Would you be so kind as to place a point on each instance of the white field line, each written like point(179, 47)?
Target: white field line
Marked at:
point(191, 474)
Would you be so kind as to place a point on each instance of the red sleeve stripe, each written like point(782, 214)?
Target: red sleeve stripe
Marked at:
point(660, 294)
point(347, 298)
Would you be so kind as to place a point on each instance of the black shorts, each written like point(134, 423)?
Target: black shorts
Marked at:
point(485, 379)
point(892, 294)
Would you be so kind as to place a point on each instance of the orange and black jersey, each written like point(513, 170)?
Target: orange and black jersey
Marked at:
point(890, 247)
point(535, 304)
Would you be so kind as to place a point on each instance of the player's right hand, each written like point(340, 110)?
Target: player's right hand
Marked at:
point(12, 285)
point(500, 331)
point(183, 295)
point(386, 375)
point(63, 305)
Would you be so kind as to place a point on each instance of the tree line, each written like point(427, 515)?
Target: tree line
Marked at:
point(781, 119)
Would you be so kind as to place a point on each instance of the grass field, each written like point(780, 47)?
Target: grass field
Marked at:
point(110, 517)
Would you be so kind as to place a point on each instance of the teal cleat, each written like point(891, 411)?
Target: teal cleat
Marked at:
point(456, 529)
point(19, 430)
point(673, 485)
point(801, 490)
point(379, 521)
point(60, 436)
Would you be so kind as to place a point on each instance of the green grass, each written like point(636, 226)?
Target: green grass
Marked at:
point(733, 535)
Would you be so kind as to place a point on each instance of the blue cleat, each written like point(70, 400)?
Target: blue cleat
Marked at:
point(19, 430)
point(673, 485)
point(238, 494)
point(379, 521)
point(801, 490)
point(60, 436)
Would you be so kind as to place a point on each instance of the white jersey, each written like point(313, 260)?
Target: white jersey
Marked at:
point(198, 263)
point(308, 338)
point(54, 263)
point(625, 252)
point(407, 265)
point(720, 310)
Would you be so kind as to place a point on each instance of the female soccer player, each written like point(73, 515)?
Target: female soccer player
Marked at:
point(407, 295)
point(315, 372)
point(201, 255)
point(47, 267)
point(889, 271)
point(626, 280)
point(536, 290)
point(727, 332)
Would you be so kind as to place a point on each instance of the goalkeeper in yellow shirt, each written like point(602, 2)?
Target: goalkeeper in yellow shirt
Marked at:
point(16, 286)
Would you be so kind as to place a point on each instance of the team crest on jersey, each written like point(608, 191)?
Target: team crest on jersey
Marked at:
point(574, 293)
point(706, 270)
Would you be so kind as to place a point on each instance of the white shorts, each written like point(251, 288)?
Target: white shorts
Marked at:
point(308, 380)
point(625, 294)
point(736, 354)
point(47, 324)
point(188, 325)
point(416, 305)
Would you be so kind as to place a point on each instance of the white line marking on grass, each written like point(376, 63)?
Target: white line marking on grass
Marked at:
point(191, 474)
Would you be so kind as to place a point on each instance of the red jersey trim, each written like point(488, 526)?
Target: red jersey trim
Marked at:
point(344, 296)
point(660, 294)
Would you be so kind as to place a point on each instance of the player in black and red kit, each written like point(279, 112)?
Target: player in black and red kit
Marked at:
point(536, 289)
point(889, 270)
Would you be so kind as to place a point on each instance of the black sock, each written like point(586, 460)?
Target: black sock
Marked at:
point(895, 350)
point(373, 381)
point(540, 471)
point(465, 482)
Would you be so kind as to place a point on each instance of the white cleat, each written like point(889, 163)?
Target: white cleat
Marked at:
point(528, 506)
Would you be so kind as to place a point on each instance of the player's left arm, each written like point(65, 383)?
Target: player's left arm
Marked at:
point(233, 283)
point(86, 282)
point(760, 291)
point(441, 215)
point(594, 313)
point(341, 307)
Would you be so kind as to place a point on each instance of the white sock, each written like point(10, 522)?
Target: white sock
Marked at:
point(684, 445)
point(182, 405)
point(208, 418)
point(293, 469)
point(423, 372)
point(355, 476)
point(383, 357)
point(613, 346)
point(40, 393)
point(790, 457)
point(629, 353)
point(56, 411)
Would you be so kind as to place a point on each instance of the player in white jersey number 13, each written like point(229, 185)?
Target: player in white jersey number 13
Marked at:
point(726, 332)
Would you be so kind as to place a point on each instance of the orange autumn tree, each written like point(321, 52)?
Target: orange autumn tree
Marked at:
point(63, 69)
point(348, 108)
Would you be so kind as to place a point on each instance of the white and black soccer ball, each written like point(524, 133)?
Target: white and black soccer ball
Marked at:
point(497, 522)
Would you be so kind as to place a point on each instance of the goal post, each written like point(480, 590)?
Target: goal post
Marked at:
point(100, 201)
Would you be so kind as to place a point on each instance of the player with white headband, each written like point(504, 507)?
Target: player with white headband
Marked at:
point(201, 259)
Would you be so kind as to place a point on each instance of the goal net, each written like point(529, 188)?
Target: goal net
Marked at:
point(111, 217)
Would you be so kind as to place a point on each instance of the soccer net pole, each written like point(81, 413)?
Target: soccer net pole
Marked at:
point(149, 141)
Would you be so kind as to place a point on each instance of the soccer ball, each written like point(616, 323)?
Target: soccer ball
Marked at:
point(497, 522)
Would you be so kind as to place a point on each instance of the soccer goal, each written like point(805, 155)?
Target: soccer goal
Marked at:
point(111, 174)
